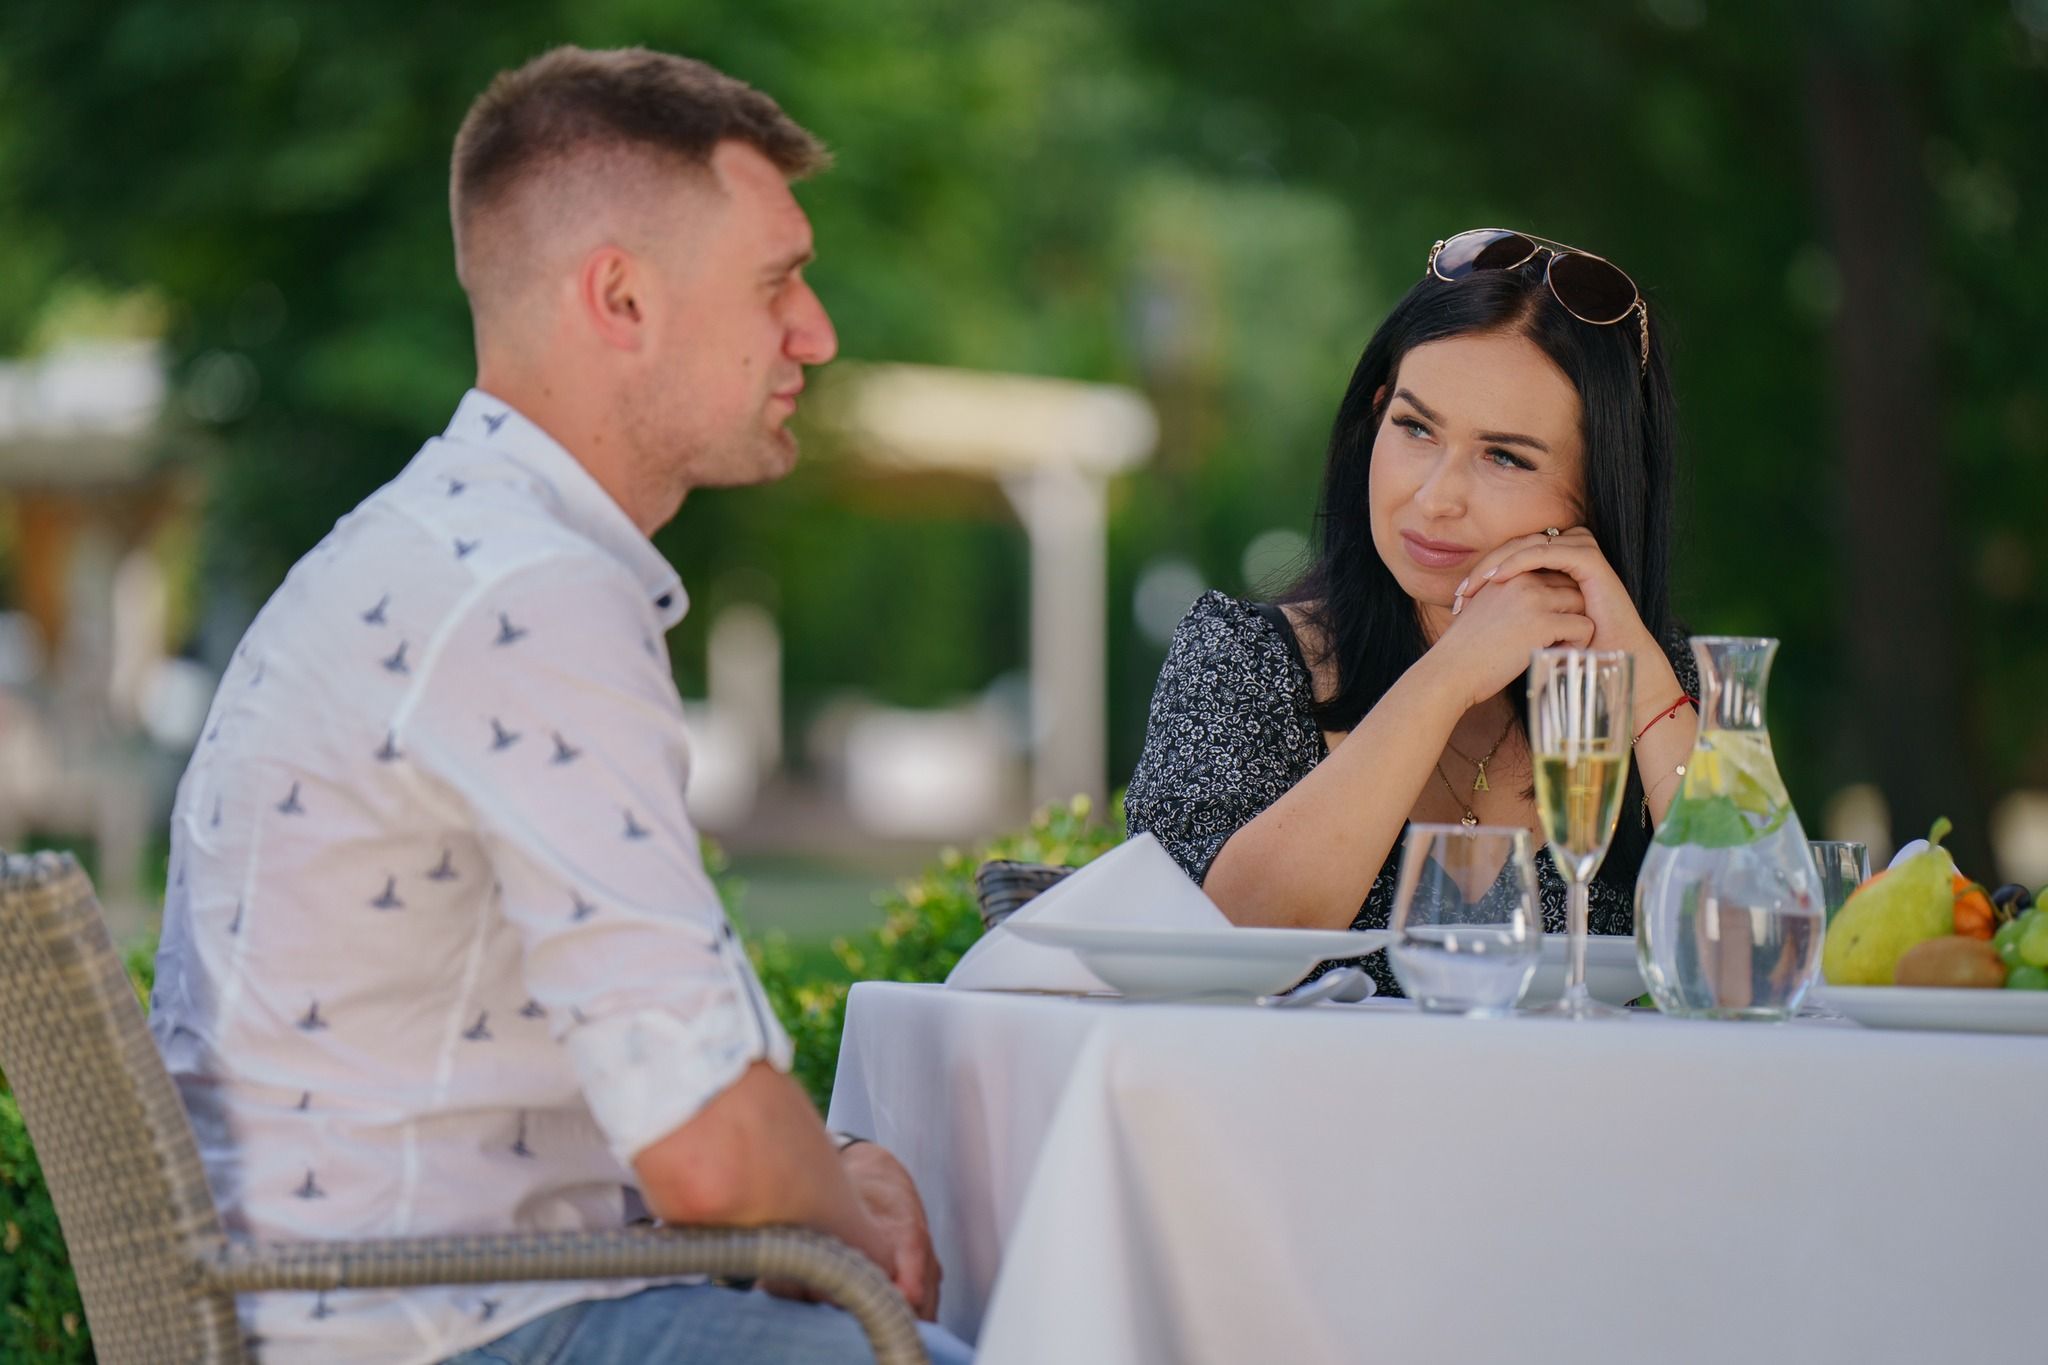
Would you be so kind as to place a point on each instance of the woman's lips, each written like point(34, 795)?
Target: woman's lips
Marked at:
point(1435, 554)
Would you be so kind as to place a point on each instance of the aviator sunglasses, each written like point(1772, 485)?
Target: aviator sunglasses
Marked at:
point(1590, 288)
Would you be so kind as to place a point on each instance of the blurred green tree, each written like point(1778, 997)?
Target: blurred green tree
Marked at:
point(1832, 211)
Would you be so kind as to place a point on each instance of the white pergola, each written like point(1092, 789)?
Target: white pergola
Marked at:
point(79, 443)
point(1052, 445)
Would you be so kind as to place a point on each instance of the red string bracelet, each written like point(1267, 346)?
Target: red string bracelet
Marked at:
point(1666, 714)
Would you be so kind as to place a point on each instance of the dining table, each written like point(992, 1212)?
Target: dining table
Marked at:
point(1136, 1181)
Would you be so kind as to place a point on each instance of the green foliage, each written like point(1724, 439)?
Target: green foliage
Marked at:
point(41, 1318)
point(928, 922)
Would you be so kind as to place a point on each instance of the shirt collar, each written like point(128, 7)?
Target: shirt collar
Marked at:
point(490, 423)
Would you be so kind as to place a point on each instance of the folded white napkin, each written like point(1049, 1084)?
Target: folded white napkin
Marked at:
point(1136, 885)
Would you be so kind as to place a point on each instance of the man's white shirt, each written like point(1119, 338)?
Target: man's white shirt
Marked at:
point(440, 954)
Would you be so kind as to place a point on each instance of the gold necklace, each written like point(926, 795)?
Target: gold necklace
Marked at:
point(1467, 819)
point(1479, 783)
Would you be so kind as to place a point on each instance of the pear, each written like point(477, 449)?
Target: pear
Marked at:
point(1888, 914)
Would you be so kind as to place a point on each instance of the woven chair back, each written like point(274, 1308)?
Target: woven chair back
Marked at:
point(114, 1144)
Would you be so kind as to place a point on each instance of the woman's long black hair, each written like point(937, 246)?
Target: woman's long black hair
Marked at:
point(1370, 628)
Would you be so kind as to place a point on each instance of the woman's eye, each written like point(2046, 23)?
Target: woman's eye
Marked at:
point(1411, 426)
point(1507, 461)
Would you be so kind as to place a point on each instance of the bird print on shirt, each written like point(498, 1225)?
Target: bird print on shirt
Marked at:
point(533, 1009)
point(508, 634)
point(480, 1031)
point(387, 752)
point(215, 822)
point(519, 1147)
point(583, 909)
point(465, 548)
point(501, 738)
point(290, 805)
point(396, 663)
point(321, 1312)
point(492, 421)
point(310, 1021)
point(235, 924)
point(305, 1103)
point(487, 1309)
point(375, 615)
point(565, 752)
point(634, 829)
point(444, 871)
point(455, 486)
point(309, 1188)
point(388, 899)
point(256, 678)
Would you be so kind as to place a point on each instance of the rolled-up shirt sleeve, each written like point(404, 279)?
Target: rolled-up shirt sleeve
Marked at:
point(547, 707)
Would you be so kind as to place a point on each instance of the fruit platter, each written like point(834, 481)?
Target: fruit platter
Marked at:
point(1923, 946)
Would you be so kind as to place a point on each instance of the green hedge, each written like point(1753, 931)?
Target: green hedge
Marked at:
point(926, 924)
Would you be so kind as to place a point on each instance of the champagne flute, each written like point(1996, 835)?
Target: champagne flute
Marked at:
point(1580, 712)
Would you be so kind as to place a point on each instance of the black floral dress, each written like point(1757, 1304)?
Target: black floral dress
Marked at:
point(1233, 727)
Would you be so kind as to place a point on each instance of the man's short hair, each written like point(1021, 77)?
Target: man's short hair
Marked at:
point(572, 100)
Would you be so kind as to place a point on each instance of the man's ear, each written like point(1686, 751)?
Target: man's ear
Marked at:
point(611, 293)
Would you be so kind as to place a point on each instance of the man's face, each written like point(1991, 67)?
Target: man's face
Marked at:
point(737, 327)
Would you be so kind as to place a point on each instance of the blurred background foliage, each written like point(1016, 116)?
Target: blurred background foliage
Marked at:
point(1835, 209)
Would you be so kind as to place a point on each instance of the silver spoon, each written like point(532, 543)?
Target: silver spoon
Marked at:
point(1346, 983)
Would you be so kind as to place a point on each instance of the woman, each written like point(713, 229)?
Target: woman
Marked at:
point(1499, 481)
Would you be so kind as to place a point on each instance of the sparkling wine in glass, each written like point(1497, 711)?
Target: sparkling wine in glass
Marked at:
point(1580, 710)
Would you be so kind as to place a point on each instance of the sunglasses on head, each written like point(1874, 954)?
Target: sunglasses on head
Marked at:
point(1588, 287)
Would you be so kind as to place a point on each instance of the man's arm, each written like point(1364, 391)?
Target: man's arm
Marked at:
point(757, 1154)
point(568, 753)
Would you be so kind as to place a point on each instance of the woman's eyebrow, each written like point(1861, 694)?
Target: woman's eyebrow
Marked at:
point(1509, 438)
point(1427, 414)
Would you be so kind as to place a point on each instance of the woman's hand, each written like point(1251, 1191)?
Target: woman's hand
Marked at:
point(1488, 643)
point(1577, 556)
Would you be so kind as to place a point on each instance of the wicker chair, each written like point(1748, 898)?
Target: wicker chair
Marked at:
point(158, 1275)
point(1001, 885)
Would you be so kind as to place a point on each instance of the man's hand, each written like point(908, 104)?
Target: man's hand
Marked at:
point(891, 1198)
point(886, 1192)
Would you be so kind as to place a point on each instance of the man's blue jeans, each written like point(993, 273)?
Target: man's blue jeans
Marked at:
point(692, 1323)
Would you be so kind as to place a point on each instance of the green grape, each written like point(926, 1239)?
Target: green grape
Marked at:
point(2009, 932)
point(2026, 978)
point(2034, 943)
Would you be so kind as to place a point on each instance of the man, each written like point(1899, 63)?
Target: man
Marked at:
point(440, 954)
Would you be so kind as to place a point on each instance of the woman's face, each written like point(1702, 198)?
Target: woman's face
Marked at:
point(1478, 444)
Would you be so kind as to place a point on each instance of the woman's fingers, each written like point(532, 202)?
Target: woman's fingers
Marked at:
point(1575, 631)
point(1542, 592)
point(1493, 568)
point(1574, 560)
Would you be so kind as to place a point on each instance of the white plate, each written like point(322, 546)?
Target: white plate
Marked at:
point(1236, 962)
point(1612, 973)
point(1926, 1007)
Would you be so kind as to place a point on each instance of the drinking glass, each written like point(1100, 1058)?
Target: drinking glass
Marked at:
point(1580, 714)
point(1844, 865)
point(1467, 929)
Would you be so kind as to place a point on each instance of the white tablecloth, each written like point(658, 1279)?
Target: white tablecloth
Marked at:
point(1179, 1183)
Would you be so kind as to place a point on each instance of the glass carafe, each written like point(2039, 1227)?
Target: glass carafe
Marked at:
point(1728, 915)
